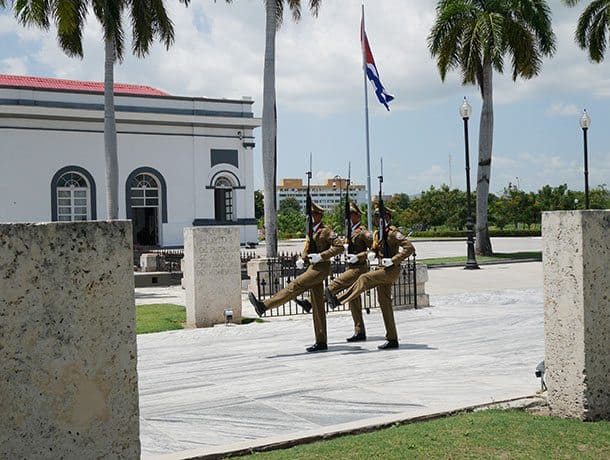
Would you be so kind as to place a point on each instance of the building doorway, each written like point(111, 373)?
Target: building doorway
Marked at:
point(223, 200)
point(144, 201)
point(145, 226)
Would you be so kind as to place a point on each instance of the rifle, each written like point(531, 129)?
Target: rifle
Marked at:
point(310, 244)
point(382, 220)
point(348, 220)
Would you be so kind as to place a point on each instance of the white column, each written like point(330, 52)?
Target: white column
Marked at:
point(576, 255)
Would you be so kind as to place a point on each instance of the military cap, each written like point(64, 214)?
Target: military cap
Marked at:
point(353, 207)
point(388, 211)
point(316, 208)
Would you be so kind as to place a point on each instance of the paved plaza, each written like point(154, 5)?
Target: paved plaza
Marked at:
point(228, 387)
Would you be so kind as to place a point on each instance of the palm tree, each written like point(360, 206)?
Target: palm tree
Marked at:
point(475, 36)
point(149, 21)
point(274, 13)
point(592, 28)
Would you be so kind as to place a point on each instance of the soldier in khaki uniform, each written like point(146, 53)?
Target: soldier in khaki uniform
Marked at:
point(327, 245)
point(384, 276)
point(357, 265)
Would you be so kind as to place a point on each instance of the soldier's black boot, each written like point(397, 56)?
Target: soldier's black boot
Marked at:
point(317, 347)
point(331, 298)
point(259, 306)
point(304, 304)
point(357, 338)
point(388, 345)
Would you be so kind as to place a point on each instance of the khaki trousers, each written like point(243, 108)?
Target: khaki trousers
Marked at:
point(381, 279)
point(344, 281)
point(312, 280)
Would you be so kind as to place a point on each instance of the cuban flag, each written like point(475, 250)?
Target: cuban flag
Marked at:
point(371, 69)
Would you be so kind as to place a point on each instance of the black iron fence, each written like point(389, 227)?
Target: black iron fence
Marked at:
point(279, 272)
point(168, 260)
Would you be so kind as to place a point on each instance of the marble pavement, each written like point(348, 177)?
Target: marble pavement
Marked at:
point(208, 388)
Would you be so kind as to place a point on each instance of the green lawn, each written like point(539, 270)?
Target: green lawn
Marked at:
point(501, 434)
point(497, 257)
point(159, 317)
point(166, 317)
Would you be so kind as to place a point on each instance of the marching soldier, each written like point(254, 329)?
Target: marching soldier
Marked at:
point(356, 259)
point(327, 245)
point(382, 278)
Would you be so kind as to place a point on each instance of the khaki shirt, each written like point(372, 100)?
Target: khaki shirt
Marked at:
point(399, 246)
point(327, 243)
point(362, 240)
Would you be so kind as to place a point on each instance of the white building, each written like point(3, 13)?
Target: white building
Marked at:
point(182, 161)
point(326, 196)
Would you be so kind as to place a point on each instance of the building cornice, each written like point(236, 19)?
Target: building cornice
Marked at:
point(119, 108)
point(15, 112)
point(123, 94)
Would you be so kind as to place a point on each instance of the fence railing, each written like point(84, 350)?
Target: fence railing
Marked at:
point(281, 271)
point(168, 260)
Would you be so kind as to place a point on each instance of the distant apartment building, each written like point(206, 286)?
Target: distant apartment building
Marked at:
point(327, 196)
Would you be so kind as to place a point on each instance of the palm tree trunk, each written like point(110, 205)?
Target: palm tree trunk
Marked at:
point(269, 131)
point(483, 242)
point(110, 141)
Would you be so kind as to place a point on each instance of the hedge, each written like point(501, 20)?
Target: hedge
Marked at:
point(462, 233)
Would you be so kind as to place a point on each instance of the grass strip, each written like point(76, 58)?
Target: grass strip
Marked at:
point(497, 257)
point(167, 317)
point(486, 434)
point(159, 318)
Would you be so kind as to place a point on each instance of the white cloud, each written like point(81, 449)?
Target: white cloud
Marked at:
point(532, 171)
point(14, 66)
point(434, 175)
point(219, 53)
point(563, 110)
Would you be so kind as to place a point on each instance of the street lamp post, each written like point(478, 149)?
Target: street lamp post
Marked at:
point(471, 261)
point(585, 122)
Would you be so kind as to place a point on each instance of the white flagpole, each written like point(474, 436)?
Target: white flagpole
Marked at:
point(369, 213)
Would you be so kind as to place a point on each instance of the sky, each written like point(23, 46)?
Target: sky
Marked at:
point(219, 52)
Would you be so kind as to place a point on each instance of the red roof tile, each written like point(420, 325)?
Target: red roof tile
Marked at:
point(75, 85)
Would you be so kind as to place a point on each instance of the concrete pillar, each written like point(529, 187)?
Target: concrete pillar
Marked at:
point(576, 270)
point(68, 378)
point(212, 275)
point(148, 262)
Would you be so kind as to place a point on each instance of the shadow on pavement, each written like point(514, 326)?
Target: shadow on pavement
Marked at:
point(331, 349)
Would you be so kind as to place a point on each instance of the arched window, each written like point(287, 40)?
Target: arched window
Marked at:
point(144, 191)
point(223, 199)
point(72, 195)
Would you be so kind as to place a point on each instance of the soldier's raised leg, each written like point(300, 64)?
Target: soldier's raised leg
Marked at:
point(363, 283)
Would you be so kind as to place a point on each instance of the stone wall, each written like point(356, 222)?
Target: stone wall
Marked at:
point(576, 255)
point(68, 379)
point(212, 275)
